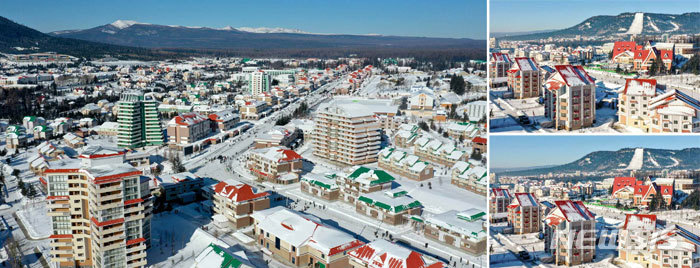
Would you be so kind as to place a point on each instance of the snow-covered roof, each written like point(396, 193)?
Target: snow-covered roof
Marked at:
point(384, 254)
point(277, 154)
point(640, 87)
point(469, 223)
point(238, 192)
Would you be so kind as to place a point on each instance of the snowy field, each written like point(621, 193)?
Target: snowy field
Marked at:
point(35, 220)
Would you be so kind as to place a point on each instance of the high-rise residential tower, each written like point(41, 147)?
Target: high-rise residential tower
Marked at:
point(139, 124)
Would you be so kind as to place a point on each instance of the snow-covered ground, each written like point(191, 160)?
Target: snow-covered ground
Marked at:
point(35, 220)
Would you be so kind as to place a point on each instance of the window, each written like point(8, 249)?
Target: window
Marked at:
point(277, 243)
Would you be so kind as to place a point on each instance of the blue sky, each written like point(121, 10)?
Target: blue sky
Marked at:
point(439, 18)
point(529, 15)
point(525, 151)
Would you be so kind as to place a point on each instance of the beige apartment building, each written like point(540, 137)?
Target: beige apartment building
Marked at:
point(405, 164)
point(524, 79)
point(570, 99)
point(275, 164)
point(633, 108)
point(322, 186)
point(188, 128)
point(301, 240)
point(570, 234)
point(406, 135)
point(498, 204)
point(100, 209)
point(392, 207)
point(524, 214)
point(675, 111)
point(238, 201)
point(470, 177)
point(500, 63)
point(346, 134)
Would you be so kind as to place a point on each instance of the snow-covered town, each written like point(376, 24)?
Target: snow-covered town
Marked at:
point(644, 216)
point(238, 162)
point(622, 83)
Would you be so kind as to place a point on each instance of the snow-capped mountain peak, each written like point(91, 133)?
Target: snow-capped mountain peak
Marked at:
point(270, 30)
point(122, 24)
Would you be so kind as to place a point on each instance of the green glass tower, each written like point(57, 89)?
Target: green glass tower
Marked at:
point(138, 120)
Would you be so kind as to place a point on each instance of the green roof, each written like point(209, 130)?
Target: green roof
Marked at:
point(473, 217)
point(388, 207)
point(229, 261)
point(382, 176)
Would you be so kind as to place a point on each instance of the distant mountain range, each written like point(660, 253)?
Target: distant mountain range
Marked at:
point(16, 38)
point(137, 34)
point(646, 159)
point(624, 24)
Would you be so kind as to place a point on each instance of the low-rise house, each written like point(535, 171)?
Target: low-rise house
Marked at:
point(73, 140)
point(569, 233)
point(406, 135)
point(479, 144)
point(301, 240)
point(16, 137)
point(363, 180)
point(323, 186)
point(391, 207)
point(405, 164)
point(274, 162)
point(254, 110)
point(435, 151)
point(238, 201)
point(524, 214)
point(464, 230)
point(224, 120)
point(384, 254)
point(465, 130)
point(277, 136)
point(29, 122)
point(42, 132)
point(470, 177)
point(219, 256)
point(645, 193)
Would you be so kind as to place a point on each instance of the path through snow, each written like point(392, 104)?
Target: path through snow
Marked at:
point(637, 24)
point(637, 160)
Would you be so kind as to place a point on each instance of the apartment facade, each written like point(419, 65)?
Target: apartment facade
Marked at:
point(570, 98)
point(238, 201)
point(322, 186)
point(498, 204)
point(139, 123)
point(435, 151)
point(635, 238)
point(188, 128)
point(500, 64)
point(524, 214)
point(405, 164)
point(569, 231)
point(362, 180)
point(675, 111)
point(470, 177)
point(633, 107)
point(524, 79)
point(273, 163)
point(100, 209)
point(345, 135)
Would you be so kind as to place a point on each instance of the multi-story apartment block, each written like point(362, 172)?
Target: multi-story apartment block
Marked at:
point(633, 109)
point(524, 79)
point(178, 187)
point(464, 130)
point(254, 110)
point(323, 186)
point(301, 240)
point(363, 180)
point(423, 99)
point(464, 230)
point(346, 134)
point(634, 238)
point(238, 201)
point(259, 82)
point(675, 111)
point(524, 214)
point(224, 120)
point(384, 254)
point(569, 100)
point(391, 207)
point(100, 209)
point(570, 234)
point(435, 151)
point(273, 163)
point(404, 164)
point(500, 63)
point(673, 246)
point(498, 205)
point(188, 128)
point(139, 124)
point(470, 177)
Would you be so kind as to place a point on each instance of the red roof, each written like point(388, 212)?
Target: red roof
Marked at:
point(622, 46)
point(135, 241)
point(479, 140)
point(289, 155)
point(622, 182)
point(643, 216)
point(237, 193)
point(651, 82)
